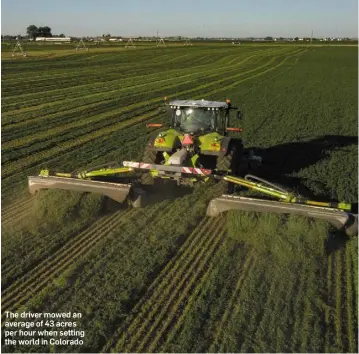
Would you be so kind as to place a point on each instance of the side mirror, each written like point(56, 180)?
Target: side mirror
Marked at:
point(239, 115)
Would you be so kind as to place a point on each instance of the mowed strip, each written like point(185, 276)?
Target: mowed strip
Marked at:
point(230, 308)
point(349, 308)
point(77, 89)
point(70, 144)
point(65, 96)
point(261, 334)
point(41, 276)
point(71, 76)
point(174, 285)
point(16, 210)
point(187, 288)
point(100, 69)
point(117, 95)
point(299, 308)
point(29, 161)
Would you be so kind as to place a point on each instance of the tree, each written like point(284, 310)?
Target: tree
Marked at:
point(45, 31)
point(32, 31)
point(296, 38)
point(268, 38)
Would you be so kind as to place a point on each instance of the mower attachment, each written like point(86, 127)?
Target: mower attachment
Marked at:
point(338, 218)
point(116, 191)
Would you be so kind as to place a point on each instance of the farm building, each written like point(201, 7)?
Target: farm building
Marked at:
point(53, 39)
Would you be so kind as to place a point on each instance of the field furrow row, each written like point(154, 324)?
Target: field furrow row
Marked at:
point(39, 157)
point(11, 211)
point(252, 315)
point(351, 332)
point(166, 277)
point(161, 288)
point(175, 266)
point(126, 86)
point(249, 262)
point(176, 299)
point(338, 300)
point(107, 113)
point(24, 162)
point(328, 307)
point(13, 220)
point(24, 288)
point(88, 99)
point(77, 92)
point(264, 330)
point(73, 75)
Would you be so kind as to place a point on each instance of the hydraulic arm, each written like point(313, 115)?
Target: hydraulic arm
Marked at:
point(109, 181)
point(87, 174)
point(275, 191)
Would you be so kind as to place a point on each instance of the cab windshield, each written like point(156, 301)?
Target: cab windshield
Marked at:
point(193, 120)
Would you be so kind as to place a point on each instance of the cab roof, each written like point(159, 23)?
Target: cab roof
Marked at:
point(198, 103)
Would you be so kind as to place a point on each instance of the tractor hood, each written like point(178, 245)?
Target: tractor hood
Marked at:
point(168, 140)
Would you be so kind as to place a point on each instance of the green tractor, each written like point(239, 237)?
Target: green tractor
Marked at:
point(197, 140)
point(196, 147)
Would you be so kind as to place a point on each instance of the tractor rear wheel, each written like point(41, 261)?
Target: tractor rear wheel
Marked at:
point(151, 156)
point(229, 163)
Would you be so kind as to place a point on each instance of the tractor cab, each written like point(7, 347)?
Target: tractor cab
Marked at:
point(200, 116)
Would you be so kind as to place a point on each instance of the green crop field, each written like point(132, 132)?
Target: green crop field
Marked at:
point(167, 278)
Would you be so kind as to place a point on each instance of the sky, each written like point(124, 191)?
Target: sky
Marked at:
point(189, 18)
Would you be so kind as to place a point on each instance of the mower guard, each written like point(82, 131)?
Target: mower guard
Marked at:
point(339, 219)
point(115, 191)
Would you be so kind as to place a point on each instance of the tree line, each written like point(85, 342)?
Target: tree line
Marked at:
point(34, 31)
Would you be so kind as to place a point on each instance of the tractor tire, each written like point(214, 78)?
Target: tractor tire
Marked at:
point(229, 163)
point(150, 155)
point(224, 163)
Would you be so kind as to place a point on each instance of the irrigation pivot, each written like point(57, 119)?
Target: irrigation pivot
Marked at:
point(81, 45)
point(160, 41)
point(188, 42)
point(130, 43)
point(18, 46)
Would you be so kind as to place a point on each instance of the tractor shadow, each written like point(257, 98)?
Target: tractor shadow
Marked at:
point(337, 240)
point(282, 160)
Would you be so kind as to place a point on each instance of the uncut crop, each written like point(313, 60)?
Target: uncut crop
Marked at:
point(166, 277)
